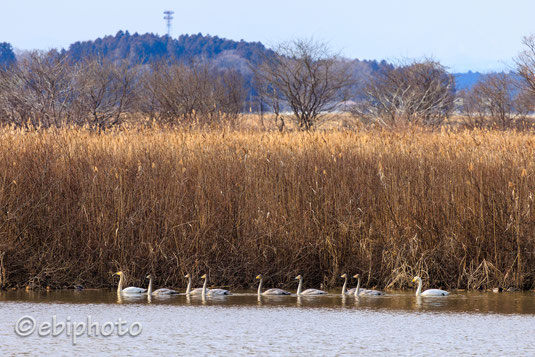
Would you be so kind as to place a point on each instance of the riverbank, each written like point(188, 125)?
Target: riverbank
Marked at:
point(452, 206)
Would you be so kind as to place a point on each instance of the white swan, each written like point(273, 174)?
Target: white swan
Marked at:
point(212, 292)
point(307, 291)
point(429, 292)
point(365, 292)
point(196, 291)
point(162, 291)
point(273, 291)
point(128, 290)
point(350, 291)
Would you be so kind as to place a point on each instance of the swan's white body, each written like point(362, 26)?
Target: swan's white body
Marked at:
point(365, 292)
point(196, 291)
point(273, 291)
point(307, 292)
point(131, 290)
point(163, 291)
point(218, 292)
point(212, 292)
point(429, 292)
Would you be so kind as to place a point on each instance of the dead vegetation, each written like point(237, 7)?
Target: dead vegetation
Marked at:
point(451, 206)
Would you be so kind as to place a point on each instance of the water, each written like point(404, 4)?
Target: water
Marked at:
point(397, 324)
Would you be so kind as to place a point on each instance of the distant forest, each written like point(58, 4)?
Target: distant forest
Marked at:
point(149, 48)
point(223, 53)
point(7, 55)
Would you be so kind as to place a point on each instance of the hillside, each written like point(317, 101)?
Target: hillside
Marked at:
point(147, 48)
point(466, 80)
point(223, 53)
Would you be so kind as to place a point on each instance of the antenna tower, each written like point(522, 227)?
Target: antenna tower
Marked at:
point(168, 17)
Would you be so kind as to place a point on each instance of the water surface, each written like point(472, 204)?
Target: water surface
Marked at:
point(242, 324)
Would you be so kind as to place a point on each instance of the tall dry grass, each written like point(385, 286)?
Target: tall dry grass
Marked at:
point(454, 207)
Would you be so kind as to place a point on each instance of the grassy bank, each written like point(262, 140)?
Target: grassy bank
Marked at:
point(454, 207)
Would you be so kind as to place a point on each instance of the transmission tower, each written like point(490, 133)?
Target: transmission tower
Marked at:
point(168, 17)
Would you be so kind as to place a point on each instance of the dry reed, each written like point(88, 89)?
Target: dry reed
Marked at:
point(452, 206)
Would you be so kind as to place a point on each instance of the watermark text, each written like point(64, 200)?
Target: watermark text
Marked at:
point(27, 326)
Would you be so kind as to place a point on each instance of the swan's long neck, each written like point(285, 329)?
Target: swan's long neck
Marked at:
point(149, 290)
point(419, 290)
point(357, 289)
point(188, 289)
point(345, 286)
point(204, 287)
point(120, 285)
point(260, 287)
point(300, 286)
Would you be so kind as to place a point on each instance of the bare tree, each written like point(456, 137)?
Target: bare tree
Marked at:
point(307, 77)
point(46, 89)
point(419, 92)
point(171, 86)
point(229, 93)
point(40, 90)
point(495, 100)
point(14, 107)
point(107, 91)
point(195, 92)
point(525, 67)
point(269, 96)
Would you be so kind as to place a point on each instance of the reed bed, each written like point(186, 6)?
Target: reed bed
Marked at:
point(452, 206)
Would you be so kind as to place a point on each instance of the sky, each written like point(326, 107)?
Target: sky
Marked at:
point(464, 35)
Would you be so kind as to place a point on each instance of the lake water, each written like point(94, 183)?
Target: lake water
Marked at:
point(241, 324)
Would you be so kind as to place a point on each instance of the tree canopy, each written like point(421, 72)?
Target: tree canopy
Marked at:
point(7, 56)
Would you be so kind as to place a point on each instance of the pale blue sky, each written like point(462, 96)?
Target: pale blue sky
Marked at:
point(462, 34)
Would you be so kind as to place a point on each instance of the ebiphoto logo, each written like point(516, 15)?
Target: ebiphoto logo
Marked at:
point(27, 326)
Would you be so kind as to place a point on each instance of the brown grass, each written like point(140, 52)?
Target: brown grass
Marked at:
point(454, 207)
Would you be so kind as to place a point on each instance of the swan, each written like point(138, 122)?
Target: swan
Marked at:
point(429, 292)
point(196, 291)
point(163, 291)
point(350, 291)
point(128, 290)
point(212, 292)
point(365, 292)
point(273, 291)
point(307, 291)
